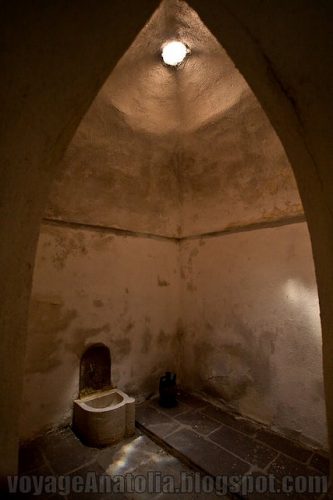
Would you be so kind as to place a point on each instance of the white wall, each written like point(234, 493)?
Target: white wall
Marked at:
point(252, 326)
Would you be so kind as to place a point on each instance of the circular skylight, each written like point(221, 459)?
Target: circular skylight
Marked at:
point(174, 53)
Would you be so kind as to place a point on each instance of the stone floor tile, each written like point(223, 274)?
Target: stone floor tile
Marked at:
point(171, 412)
point(285, 466)
point(204, 454)
point(30, 457)
point(243, 446)
point(43, 470)
point(190, 496)
point(91, 474)
point(275, 496)
point(166, 468)
point(141, 456)
point(191, 400)
point(155, 421)
point(198, 421)
point(222, 416)
point(274, 492)
point(320, 462)
point(284, 445)
point(126, 456)
point(279, 495)
point(65, 452)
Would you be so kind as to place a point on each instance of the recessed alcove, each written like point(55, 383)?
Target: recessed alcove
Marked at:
point(95, 369)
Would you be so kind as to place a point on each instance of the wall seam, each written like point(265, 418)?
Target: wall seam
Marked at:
point(212, 234)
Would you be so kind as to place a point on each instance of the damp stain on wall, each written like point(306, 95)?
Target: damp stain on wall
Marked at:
point(66, 246)
point(128, 327)
point(162, 282)
point(237, 368)
point(48, 322)
point(163, 339)
point(98, 303)
point(120, 348)
point(147, 338)
point(80, 338)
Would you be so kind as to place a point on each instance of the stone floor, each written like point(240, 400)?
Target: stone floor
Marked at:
point(182, 445)
point(60, 453)
point(215, 442)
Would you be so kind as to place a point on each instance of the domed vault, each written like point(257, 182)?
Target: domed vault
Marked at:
point(175, 151)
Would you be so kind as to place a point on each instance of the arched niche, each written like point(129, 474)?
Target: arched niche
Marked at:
point(95, 369)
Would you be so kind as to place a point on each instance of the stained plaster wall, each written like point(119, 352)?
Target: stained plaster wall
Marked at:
point(252, 327)
point(115, 176)
point(95, 286)
point(234, 172)
point(107, 266)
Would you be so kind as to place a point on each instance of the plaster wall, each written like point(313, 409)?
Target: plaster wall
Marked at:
point(234, 172)
point(252, 327)
point(114, 176)
point(94, 286)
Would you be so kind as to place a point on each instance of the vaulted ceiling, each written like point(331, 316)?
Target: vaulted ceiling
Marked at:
point(175, 151)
